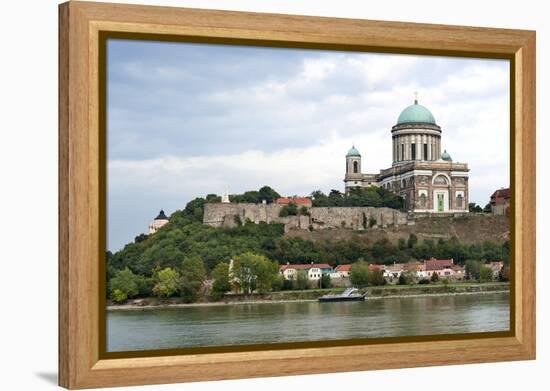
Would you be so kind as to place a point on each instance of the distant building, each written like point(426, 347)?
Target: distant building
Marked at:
point(343, 270)
point(158, 222)
point(300, 201)
point(314, 271)
point(500, 202)
point(394, 271)
point(443, 267)
point(496, 267)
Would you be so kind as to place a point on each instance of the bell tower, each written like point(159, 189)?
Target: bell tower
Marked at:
point(353, 161)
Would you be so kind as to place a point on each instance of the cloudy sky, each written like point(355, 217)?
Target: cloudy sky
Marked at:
point(185, 120)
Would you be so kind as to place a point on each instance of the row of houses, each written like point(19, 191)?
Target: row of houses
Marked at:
point(444, 268)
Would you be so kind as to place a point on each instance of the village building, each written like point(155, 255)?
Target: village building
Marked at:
point(496, 267)
point(443, 268)
point(394, 271)
point(500, 202)
point(299, 201)
point(314, 271)
point(343, 270)
point(159, 221)
point(427, 178)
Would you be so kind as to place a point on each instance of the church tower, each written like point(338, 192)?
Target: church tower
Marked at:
point(353, 161)
point(354, 177)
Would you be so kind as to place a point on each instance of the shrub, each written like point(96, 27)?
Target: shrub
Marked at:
point(289, 210)
point(167, 283)
point(485, 274)
point(435, 277)
point(325, 281)
point(424, 281)
point(118, 296)
point(125, 282)
point(376, 278)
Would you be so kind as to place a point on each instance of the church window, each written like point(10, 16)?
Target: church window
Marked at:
point(402, 151)
point(355, 167)
point(425, 152)
point(440, 180)
point(413, 151)
point(459, 201)
point(423, 200)
point(403, 183)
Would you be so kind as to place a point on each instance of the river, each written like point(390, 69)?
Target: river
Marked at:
point(237, 324)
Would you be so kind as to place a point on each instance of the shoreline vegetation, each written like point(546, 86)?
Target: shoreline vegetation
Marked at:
point(373, 293)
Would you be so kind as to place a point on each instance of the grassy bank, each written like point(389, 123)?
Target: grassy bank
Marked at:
point(314, 294)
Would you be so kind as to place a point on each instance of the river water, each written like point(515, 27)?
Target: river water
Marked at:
point(237, 324)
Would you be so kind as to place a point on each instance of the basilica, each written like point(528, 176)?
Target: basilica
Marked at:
point(427, 179)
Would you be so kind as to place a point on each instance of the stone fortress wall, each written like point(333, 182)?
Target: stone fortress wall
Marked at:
point(356, 218)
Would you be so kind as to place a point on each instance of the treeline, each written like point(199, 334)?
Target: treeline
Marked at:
point(370, 196)
point(248, 273)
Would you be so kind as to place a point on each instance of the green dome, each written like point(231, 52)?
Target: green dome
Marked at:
point(353, 152)
point(445, 156)
point(416, 114)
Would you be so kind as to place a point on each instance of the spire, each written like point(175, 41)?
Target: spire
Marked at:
point(225, 198)
point(416, 97)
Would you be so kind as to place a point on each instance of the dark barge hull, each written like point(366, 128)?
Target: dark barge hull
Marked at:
point(336, 298)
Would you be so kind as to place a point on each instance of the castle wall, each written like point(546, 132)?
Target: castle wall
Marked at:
point(356, 218)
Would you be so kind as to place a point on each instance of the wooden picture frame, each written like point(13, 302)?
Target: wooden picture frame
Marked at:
point(82, 204)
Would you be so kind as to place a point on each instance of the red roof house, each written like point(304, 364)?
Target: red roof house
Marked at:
point(438, 264)
point(301, 201)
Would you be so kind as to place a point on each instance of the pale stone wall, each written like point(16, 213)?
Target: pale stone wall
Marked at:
point(356, 218)
point(156, 225)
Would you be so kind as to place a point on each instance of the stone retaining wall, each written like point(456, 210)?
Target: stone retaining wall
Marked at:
point(356, 218)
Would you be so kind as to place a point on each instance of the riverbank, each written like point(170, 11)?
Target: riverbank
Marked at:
point(379, 292)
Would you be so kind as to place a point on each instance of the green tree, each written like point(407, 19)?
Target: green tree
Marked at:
point(474, 208)
point(195, 209)
point(213, 198)
point(412, 241)
point(192, 277)
point(325, 281)
point(167, 283)
point(359, 274)
point(376, 277)
point(124, 282)
point(435, 277)
point(268, 194)
point(289, 210)
point(485, 274)
point(254, 272)
point(278, 283)
point(302, 281)
point(472, 269)
point(487, 208)
point(222, 283)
